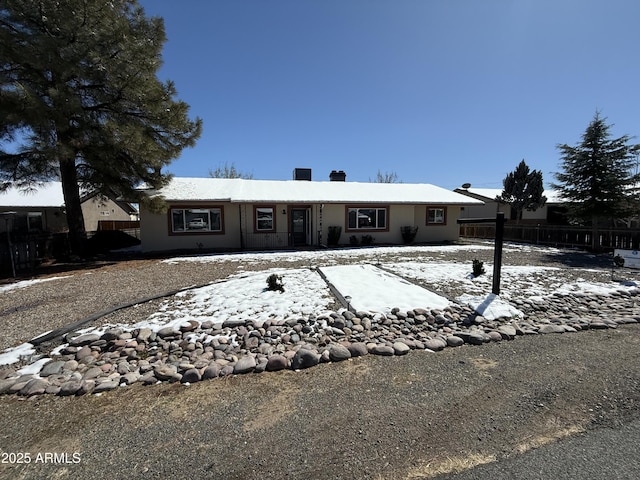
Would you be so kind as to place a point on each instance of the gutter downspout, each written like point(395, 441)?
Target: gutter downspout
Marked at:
point(320, 224)
point(240, 225)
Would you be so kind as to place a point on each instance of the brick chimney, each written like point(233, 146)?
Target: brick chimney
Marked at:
point(338, 176)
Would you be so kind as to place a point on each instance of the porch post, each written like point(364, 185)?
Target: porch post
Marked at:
point(320, 224)
point(240, 224)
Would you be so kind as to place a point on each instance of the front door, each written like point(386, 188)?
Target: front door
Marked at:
point(300, 226)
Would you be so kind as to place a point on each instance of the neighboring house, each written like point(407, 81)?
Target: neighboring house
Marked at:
point(232, 214)
point(552, 212)
point(42, 210)
point(33, 211)
point(105, 208)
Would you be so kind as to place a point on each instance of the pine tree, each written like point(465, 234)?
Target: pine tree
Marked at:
point(599, 179)
point(80, 100)
point(523, 190)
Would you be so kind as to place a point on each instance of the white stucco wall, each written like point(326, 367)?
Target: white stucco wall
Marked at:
point(155, 231)
point(399, 216)
point(239, 221)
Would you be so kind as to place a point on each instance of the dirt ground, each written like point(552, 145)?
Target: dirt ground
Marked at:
point(416, 416)
point(423, 415)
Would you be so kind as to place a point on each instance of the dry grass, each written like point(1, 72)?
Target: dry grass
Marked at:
point(274, 409)
point(441, 466)
point(552, 434)
point(484, 364)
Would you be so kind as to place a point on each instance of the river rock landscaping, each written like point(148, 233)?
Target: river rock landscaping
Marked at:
point(196, 351)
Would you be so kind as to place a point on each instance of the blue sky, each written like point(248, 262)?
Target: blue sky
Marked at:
point(437, 91)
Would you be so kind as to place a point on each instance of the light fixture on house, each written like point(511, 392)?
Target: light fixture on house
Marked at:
point(284, 211)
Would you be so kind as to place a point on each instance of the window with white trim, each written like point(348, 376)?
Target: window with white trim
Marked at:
point(265, 219)
point(437, 216)
point(367, 218)
point(194, 220)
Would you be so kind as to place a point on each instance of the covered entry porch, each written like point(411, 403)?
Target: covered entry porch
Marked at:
point(291, 226)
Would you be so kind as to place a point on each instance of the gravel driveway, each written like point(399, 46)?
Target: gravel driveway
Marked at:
point(414, 416)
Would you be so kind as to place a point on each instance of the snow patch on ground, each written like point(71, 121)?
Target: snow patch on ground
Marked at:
point(27, 283)
point(375, 290)
point(490, 306)
point(13, 355)
point(245, 297)
point(324, 255)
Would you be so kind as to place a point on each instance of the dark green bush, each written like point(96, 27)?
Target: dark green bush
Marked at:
point(333, 237)
point(274, 283)
point(409, 234)
point(618, 260)
point(367, 240)
point(478, 268)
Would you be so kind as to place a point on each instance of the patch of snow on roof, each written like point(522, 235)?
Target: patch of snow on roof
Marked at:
point(491, 193)
point(292, 191)
point(46, 195)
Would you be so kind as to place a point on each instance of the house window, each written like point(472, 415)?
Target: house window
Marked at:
point(437, 216)
point(367, 218)
point(196, 220)
point(265, 219)
point(34, 222)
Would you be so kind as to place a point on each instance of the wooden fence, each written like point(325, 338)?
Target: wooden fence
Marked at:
point(23, 253)
point(118, 224)
point(560, 236)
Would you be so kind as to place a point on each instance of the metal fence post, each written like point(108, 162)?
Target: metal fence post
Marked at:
point(497, 253)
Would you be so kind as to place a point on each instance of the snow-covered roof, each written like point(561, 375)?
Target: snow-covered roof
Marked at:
point(299, 191)
point(553, 196)
point(492, 193)
point(48, 194)
point(489, 193)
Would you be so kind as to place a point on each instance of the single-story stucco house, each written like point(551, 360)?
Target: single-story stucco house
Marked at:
point(235, 214)
point(552, 212)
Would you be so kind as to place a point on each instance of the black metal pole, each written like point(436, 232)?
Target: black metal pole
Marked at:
point(497, 253)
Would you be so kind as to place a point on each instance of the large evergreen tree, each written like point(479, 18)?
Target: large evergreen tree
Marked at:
point(80, 100)
point(523, 189)
point(599, 178)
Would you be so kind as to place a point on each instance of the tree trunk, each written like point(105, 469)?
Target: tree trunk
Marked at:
point(73, 207)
